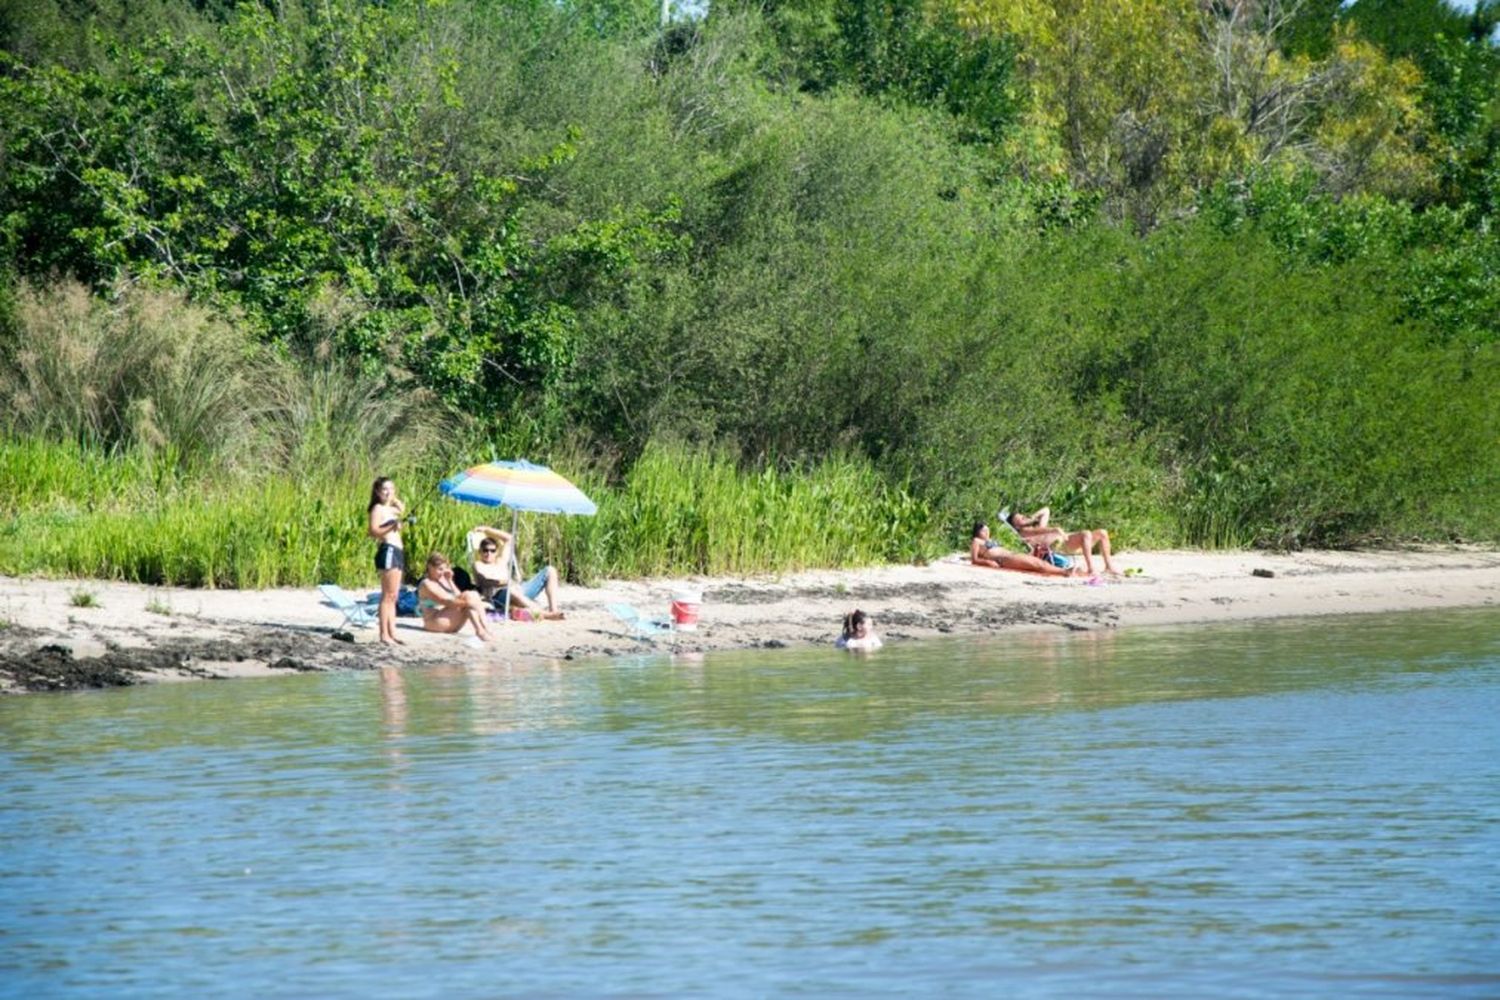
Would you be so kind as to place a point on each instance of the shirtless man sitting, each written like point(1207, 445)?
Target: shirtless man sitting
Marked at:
point(494, 568)
point(1037, 530)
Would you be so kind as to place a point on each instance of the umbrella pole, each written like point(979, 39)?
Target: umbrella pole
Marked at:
point(514, 569)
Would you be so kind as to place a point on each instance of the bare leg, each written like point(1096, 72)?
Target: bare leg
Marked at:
point(520, 600)
point(390, 585)
point(1031, 564)
point(1082, 542)
point(474, 606)
point(551, 590)
point(1102, 537)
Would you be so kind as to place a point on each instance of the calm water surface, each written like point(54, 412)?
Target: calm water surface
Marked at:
point(1304, 808)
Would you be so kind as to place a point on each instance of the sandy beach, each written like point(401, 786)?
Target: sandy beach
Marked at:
point(134, 633)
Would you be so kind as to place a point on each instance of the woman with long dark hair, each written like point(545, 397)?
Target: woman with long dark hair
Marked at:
point(386, 513)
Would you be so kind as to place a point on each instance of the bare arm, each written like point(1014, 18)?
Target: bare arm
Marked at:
point(443, 593)
point(381, 521)
point(492, 533)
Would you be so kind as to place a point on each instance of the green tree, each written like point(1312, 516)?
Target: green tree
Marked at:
point(323, 169)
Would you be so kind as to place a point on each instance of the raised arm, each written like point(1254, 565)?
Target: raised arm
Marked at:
point(502, 537)
point(441, 595)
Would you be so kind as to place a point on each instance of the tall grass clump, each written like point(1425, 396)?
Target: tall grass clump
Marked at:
point(139, 369)
point(683, 509)
point(332, 416)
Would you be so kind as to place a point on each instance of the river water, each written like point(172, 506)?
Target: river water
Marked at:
point(1301, 808)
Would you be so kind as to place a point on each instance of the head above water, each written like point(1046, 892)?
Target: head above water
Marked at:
point(856, 624)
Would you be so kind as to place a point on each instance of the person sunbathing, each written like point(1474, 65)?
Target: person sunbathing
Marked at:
point(492, 565)
point(444, 607)
point(985, 551)
point(1037, 530)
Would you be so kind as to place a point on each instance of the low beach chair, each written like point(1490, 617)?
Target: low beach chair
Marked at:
point(355, 613)
point(641, 626)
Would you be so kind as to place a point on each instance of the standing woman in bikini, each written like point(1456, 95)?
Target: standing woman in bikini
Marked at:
point(386, 512)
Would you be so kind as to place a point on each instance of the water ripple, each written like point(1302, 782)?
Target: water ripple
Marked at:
point(1304, 809)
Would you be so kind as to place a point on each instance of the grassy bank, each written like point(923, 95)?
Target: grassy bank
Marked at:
point(78, 511)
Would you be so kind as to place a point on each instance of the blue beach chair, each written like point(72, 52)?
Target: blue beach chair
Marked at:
point(355, 613)
point(641, 627)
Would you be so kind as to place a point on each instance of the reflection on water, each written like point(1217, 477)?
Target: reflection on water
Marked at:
point(1291, 809)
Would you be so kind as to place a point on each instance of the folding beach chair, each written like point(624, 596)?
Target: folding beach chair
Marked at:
point(354, 612)
point(1003, 516)
point(1040, 551)
point(641, 627)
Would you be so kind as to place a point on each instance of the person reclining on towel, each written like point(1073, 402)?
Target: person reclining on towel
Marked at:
point(985, 551)
point(1037, 531)
point(492, 571)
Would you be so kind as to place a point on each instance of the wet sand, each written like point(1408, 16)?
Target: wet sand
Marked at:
point(135, 633)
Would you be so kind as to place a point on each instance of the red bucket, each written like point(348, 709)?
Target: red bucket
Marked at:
point(685, 604)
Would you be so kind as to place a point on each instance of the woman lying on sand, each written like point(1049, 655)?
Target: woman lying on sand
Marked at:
point(985, 551)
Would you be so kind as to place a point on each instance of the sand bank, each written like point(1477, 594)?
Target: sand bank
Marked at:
point(137, 633)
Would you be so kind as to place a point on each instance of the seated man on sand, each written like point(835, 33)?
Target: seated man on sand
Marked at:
point(445, 608)
point(985, 551)
point(492, 571)
point(1037, 531)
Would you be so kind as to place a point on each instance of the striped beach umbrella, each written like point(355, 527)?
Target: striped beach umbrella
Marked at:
point(519, 485)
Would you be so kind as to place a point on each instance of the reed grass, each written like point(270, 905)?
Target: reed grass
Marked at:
point(683, 511)
point(79, 511)
point(143, 369)
point(146, 376)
